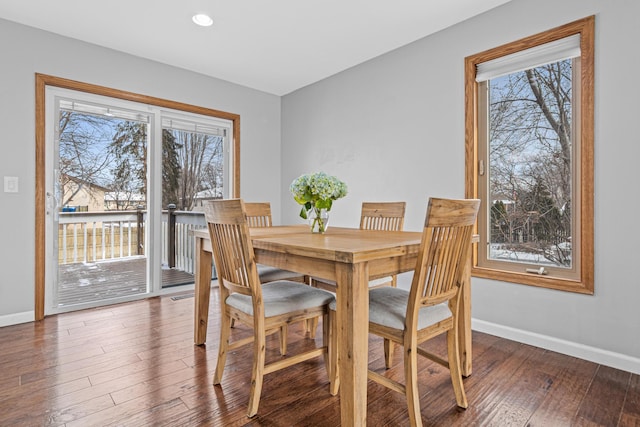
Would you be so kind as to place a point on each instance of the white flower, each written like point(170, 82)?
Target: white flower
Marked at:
point(317, 191)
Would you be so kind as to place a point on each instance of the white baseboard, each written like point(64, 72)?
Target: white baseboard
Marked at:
point(16, 318)
point(592, 354)
point(29, 316)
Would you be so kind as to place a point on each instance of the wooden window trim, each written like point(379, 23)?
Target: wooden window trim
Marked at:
point(586, 28)
point(42, 81)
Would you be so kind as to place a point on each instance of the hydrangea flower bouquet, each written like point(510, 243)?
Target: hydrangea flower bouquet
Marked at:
point(316, 193)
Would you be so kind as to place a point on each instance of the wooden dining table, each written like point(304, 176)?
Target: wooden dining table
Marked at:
point(350, 257)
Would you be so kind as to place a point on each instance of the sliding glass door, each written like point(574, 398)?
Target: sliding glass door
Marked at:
point(124, 185)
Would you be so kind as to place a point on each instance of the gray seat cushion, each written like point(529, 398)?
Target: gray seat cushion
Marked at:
point(283, 297)
point(388, 307)
point(372, 283)
point(271, 274)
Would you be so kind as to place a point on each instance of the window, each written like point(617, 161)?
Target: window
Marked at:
point(529, 158)
point(196, 158)
point(105, 144)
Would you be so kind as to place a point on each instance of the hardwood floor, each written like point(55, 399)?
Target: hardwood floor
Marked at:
point(135, 364)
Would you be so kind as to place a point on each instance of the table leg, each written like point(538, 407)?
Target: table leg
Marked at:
point(353, 341)
point(202, 292)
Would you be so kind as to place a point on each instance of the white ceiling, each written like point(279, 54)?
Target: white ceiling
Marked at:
point(275, 46)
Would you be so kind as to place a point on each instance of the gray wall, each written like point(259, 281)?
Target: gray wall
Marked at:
point(25, 51)
point(393, 129)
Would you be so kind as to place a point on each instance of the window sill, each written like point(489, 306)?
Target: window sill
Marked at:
point(549, 282)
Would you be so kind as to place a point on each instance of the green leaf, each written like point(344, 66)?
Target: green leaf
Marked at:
point(324, 204)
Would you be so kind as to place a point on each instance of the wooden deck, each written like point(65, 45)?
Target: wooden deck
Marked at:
point(79, 282)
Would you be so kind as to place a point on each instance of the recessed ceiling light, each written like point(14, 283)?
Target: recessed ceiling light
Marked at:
point(202, 20)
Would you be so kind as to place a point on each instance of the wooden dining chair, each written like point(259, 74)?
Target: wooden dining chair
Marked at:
point(262, 307)
point(430, 308)
point(386, 216)
point(259, 216)
point(383, 216)
point(380, 216)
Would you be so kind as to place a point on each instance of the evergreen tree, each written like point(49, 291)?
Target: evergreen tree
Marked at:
point(129, 147)
point(499, 222)
point(171, 169)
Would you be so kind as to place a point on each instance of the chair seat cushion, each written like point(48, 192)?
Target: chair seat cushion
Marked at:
point(282, 297)
point(268, 273)
point(388, 307)
point(372, 283)
point(380, 281)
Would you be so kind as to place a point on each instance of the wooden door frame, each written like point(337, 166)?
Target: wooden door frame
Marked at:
point(42, 81)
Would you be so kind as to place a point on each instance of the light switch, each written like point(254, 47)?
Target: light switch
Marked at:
point(10, 184)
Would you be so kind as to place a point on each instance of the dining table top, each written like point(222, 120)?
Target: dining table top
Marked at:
point(337, 244)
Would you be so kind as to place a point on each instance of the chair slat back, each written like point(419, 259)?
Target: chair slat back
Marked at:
point(258, 214)
point(385, 216)
point(231, 246)
point(444, 251)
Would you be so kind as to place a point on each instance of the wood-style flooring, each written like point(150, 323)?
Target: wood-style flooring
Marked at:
point(135, 364)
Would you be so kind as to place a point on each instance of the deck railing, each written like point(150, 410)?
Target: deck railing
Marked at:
point(178, 248)
point(98, 236)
